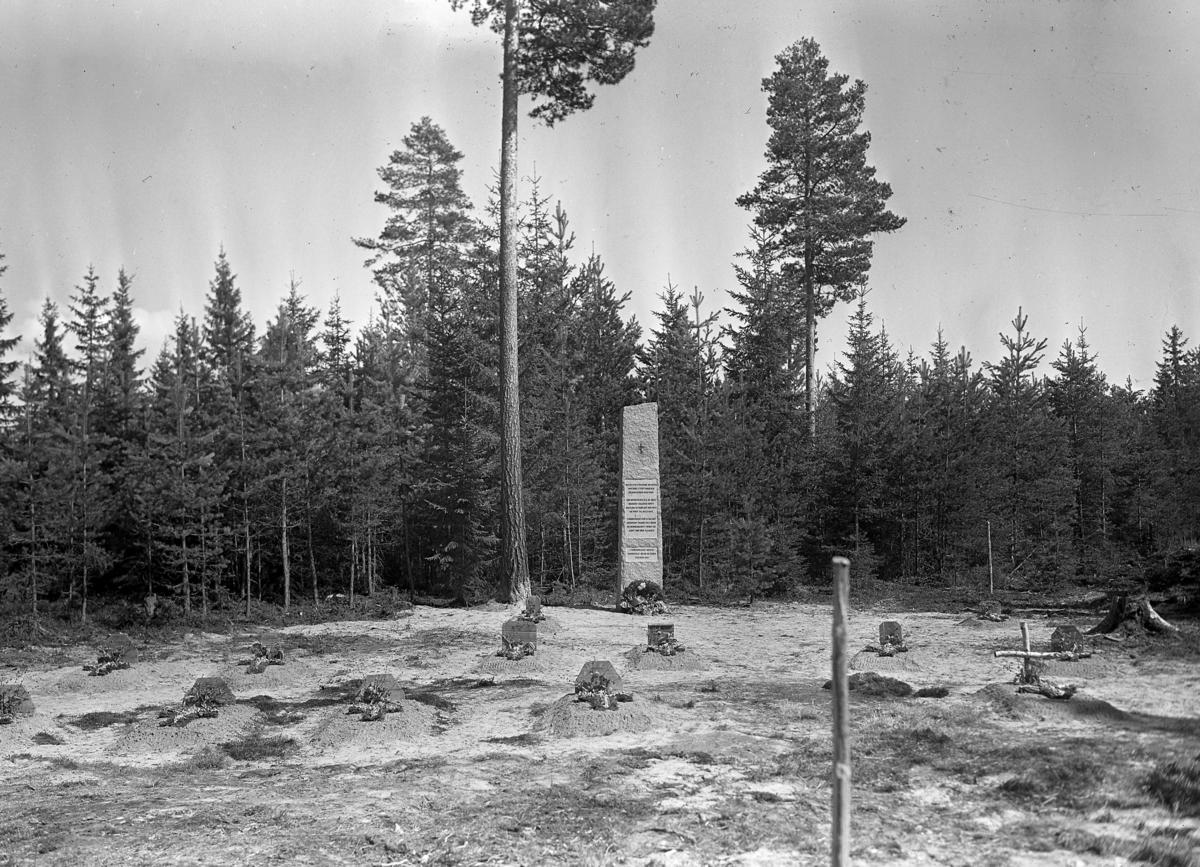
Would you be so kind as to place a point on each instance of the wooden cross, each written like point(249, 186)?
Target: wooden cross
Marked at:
point(1026, 655)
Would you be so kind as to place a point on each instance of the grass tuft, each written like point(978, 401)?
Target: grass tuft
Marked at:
point(206, 759)
point(46, 739)
point(99, 719)
point(1177, 785)
point(254, 747)
point(1161, 852)
point(528, 739)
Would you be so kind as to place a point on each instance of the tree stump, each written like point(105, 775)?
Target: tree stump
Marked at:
point(1138, 610)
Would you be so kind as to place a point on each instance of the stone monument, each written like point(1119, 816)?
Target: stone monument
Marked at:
point(640, 524)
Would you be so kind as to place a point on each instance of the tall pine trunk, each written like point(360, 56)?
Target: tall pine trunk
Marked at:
point(287, 559)
point(515, 559)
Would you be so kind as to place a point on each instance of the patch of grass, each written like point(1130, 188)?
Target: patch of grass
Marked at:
point(275, 712)
point(46, 739)
point(1069, 774)
point(404, 766)
point(434, 700)
point(1161, 852)
point(1177, 785)
point(206, 759)
point(99, 719)
point(528, 739)
point(255, 747)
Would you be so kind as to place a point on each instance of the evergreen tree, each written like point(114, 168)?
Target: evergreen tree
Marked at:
point(1033, 490)
point(227, 349)
point(1176, 411)
point(818, 195)
point(119, 421)
point(89, 501)
point(430, 227)
point(10, 470)
point(867, 395)
point(8, 386)
point(551, 50)
point(1079, 396)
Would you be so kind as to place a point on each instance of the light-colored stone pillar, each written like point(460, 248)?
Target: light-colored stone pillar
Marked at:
point(640, 522)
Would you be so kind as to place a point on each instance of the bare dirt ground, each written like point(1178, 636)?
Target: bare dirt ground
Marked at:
point(731, 768)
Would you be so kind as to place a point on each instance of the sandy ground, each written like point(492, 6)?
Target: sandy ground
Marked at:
point(477, 739)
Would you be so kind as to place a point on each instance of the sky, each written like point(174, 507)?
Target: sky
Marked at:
point(1043, 153)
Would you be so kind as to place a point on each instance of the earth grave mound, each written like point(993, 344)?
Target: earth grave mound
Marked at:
point(202, 700)
point(599, 706)
point(662, 652)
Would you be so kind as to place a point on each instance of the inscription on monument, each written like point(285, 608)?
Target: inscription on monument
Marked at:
point(641, 509)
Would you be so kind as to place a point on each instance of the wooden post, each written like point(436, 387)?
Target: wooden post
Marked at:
point(1025, 644)
point(991, 571)
point(840, 829)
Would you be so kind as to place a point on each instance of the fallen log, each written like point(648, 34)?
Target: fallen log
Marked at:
point(1050, 689)
point(1066, 655)
point(1124, 610)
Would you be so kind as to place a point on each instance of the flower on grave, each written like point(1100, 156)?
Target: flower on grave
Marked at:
point(515, 650)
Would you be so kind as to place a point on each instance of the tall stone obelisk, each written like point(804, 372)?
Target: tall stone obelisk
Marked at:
point(640, 523)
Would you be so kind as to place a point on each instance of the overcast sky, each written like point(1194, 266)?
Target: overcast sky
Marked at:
point(1044, 153)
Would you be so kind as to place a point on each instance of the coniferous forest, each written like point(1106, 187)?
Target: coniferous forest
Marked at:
point(307, 456)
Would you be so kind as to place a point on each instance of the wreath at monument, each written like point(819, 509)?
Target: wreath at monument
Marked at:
point(643, 597)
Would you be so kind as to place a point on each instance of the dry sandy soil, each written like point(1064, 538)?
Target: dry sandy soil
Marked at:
point(728, 764)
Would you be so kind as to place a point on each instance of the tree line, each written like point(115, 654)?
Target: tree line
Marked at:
point(314, 458)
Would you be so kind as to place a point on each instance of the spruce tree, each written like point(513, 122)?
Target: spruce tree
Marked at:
point(1033, 491)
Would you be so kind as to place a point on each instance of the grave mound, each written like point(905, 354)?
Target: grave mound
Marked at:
point(81, 681)
point(570, 718)
point(536, 664)
point(868, 683)
point(1078, 669)
point(867, 660)
point(406, 720)
point(1006, 701)
point(272, 677)
point(146, 736)
point(642, 659)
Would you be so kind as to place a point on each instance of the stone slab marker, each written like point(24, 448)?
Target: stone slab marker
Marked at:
point(890, 632)
point(640, 523)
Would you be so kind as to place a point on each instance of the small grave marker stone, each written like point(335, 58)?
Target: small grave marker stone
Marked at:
point(14, 701)
point(656, 633)
point(533, 609)
point(599, 686)
point(121, 647)
point(215, 689)
point(517, 632)
point(593, 671)
point(382, 684)
point(1067, 639)
point(890, 632)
